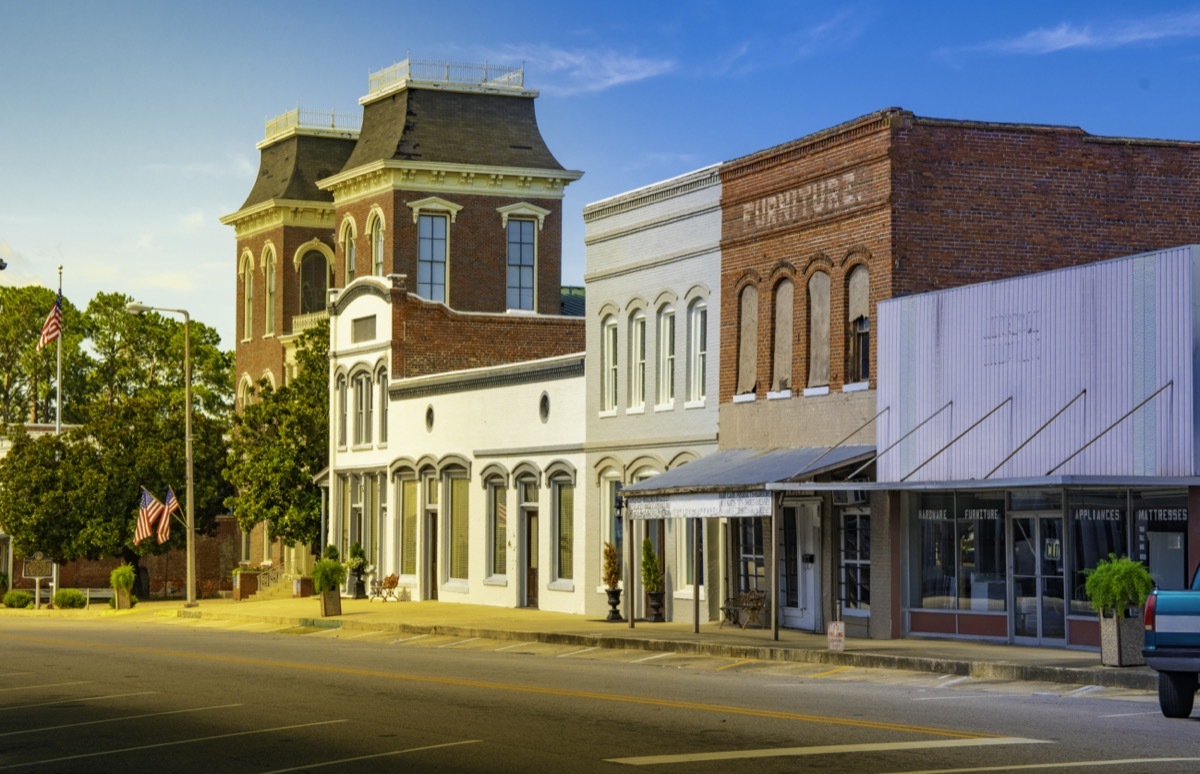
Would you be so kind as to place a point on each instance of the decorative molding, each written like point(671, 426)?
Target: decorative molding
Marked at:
point(313, 244)
point(277, 213)
point(655, 223)
point(522, 209)
point(434, 204)
point(523, 373)
point(363, 286)
point(455, 179)
point(667, 189)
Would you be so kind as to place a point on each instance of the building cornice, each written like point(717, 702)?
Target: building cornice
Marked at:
point(455, 179)
point(275, 213)
point(641, 197)
point(650, 224)
point(527, 372)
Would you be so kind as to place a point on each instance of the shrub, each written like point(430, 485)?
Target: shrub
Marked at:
point(328, 574)
point(611, 576)
point(18, 598)
point(1118, 583)
point(652, 574)
point(69, 598)
point(3, 583)
point(358, 558)
point(331, 552)
point(123, 578)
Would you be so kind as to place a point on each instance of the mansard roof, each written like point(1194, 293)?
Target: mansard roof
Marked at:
point(290, 168)
point(455, 127)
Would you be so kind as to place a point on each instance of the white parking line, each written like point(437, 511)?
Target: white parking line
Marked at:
point(119, 720)
point(45, 685)
point(360, 634)
point(962, 696)
point(84, 698)
point(519, 644)
point(574, 652)
point(1130, 714)
point(1138, 762)
point(460, 642)
point(167, 744)
point(408, 639)
point(955, 681)
point(1084, 690)
point(651, 658)
point(15, 674)
point(832, 749)
point(308, 766)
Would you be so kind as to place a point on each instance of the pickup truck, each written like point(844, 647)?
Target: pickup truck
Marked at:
point(1172, 621)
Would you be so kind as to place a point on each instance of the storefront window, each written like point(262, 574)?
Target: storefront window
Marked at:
point(856, 561)
point(934, 526)
point(979, 519)
point(1160, 538)
point(752, 569)
point(1098, 528)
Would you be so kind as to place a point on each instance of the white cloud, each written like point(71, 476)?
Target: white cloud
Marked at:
point(783, 48)
point(1067, 36)
point(583, 71)
point(18, 272)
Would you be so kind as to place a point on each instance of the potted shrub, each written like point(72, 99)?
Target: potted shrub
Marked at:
point(328, 576)
point(652, 579)
point(1117, 588)
point(122, 579)
point(357, 564)
point(611, 576)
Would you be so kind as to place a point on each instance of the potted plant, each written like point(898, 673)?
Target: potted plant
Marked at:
point(328, 575)
point(1117, 588)
point(652, 579)
point(357, 564)
point(611, 576)
point(122, 579)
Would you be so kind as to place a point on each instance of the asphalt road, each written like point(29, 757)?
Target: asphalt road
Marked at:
point(104, 695)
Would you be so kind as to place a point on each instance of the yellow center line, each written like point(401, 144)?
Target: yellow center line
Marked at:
point(533, 689)
point(832, 671)
point(735, 663)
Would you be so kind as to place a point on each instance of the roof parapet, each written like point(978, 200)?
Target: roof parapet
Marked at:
point(453, 76)
point(306, 121)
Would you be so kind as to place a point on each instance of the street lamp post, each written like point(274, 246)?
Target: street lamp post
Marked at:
point(135, 308)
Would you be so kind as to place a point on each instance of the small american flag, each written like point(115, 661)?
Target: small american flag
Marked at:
point(164, 524)
point(52, 328)
point(149, 513)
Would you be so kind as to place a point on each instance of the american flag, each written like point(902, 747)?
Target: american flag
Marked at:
point(52, 328)
point(149, 513)
point(164, 524)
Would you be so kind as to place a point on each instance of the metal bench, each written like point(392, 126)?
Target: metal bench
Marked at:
point(746, 607)
point(384, 589)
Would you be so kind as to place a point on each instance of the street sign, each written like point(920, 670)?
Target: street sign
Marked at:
point(836, 634)
point(37, 567)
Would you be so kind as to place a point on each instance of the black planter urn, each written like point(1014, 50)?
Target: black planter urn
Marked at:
point(360, 586)
point(614, 601)
point(656, 606)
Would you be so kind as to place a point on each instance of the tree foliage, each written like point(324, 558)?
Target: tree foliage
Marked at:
point(76, 495)
point(279, 444)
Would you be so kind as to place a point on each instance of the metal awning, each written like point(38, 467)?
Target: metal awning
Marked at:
point(732, 482)
point(1032, 482)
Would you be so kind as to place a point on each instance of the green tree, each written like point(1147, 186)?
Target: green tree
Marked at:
point(27, 389)
point(279, 443)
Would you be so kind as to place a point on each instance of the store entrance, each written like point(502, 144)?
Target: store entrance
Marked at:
point(1037, 581)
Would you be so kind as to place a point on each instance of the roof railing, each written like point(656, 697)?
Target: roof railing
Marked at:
point(432, 71)
point(303, 118)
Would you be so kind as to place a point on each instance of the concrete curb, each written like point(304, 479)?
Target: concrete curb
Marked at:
point(1134, 679)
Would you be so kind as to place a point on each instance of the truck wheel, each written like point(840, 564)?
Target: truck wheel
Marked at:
point(1176, 693)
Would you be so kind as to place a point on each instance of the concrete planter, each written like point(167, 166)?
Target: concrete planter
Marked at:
point(1121, 639)
point(123, 599)
point(331, 602)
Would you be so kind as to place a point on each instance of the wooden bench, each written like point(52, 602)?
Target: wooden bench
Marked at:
point(745, 607)
point(385, 589)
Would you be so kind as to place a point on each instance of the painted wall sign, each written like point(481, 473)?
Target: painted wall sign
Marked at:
point(817, 199)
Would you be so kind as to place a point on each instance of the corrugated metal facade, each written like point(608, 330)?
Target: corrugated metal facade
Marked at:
point(1119, 330)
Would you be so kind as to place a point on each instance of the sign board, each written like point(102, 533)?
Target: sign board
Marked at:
point(699, 505)
point(38, 568)
point(836, 634)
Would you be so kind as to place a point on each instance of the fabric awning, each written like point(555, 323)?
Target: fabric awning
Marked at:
point(732, 482)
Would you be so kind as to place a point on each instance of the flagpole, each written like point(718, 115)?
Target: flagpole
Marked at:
point(58, 377)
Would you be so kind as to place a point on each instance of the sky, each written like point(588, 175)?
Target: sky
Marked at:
point(127, 129)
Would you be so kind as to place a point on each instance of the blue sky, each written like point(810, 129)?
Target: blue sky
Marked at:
point(128, 128)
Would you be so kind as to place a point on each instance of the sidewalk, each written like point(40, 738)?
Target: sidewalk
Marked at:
point(977, 660)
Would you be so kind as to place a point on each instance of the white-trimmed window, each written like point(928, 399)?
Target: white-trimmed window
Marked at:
point(564, 529)
point(459, 535)
point(342, 408)
point(364, 399)
point(348, 238)
point(497, 527)
point(692, 530)
point(247, 299)
point(637, 361)
point(522, 263)
point(697, 351)
point(375, 231)
point(608, 364)
point(409, 509)
point(856, 561)
point(382, 381)
point(666, 357)
point(269, 281)
point(858, 329)
point(314, 282)
point(431, 257)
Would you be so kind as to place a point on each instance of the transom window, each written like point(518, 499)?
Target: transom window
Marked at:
point(431, 257)
point(521, 264)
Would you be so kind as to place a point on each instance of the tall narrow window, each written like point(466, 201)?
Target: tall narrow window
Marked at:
point(348, 237)
point(459, 528)
point(521, 262)
point(364, 400)
point(608, 365)
point(248, 299)
point(747, 371)
point(694, 530)
point(375, 229)
point(637, 361)
point(269, 281)
point(751, 570)
point(666, 357)
point(781, 362)
point(382, 381)
point(342, 419)
point(564, 520)
point(856, 561)
point(314, 282)
point(431, 257)
point(615, 532)
point(408, 526)
point(818, 330)
point(858, 329)
point(498, 527)
point(697, 351)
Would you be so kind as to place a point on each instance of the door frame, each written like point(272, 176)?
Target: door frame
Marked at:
point(807, 616)
point(1038, 517)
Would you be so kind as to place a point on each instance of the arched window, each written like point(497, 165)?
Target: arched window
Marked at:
point(818, 330)
point(858, 328)
point(375, 229)
point(364, 399)
point(247, 299)
point(382, 381)
point(637, 360)
point(269, 281)
point(347, 240)
point(747, 373)
point(608, 364)
point(342, 409)
point(697, 351)
point(314, 282)
point(666, 357)
point(458, 524)
point(497, 494)
point(781, 361)
point(564, 528)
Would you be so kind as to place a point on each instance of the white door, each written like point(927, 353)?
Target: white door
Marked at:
point(798, 545)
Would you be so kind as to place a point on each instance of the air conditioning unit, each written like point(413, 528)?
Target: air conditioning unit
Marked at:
point(850, 497)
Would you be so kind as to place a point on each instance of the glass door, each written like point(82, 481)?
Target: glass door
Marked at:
point(1037, 579)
